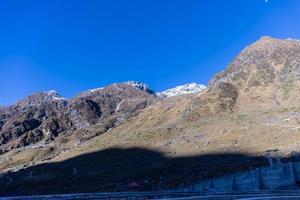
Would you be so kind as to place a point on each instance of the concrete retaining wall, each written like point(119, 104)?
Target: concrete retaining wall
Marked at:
point(283, 176)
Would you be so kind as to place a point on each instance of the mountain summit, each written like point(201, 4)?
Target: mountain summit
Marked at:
point(39, 98)
point(267, 69)
point(267, 61)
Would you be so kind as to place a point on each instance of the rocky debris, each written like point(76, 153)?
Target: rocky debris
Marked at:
point(191, 88)
point(185, 139)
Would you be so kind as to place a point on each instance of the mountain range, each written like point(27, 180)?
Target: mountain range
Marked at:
point(41, 117)
point(188, 133)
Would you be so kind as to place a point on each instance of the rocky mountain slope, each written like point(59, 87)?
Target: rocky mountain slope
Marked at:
point(41, 117)
point(248, 109)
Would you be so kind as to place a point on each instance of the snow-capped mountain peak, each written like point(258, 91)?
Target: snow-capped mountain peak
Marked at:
point(39, 98)
point(2, 108)
point(135, 84)
point(140, 86)
point(190, 88)
point(90, 91)
point(53, 95)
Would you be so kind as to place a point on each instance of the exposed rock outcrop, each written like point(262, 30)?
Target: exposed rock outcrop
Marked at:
point(44, 115)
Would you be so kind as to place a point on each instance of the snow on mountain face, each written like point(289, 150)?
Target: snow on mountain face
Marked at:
point(90, 91)
point(140, 86)
point(52, 95)
point(191, 88)
point(39, 98)
point(136, 84)
point(2, 108)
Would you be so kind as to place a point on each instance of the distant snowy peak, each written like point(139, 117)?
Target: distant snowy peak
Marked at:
point(191, 88)
point(140, 86)
point(52, 95)
point(90, 92)
point(39, 98)
point(2, 108)
point(179, 90)
point(135, 84)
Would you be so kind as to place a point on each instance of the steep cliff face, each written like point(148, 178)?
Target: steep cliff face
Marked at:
point(31, 119)
point(117, 98)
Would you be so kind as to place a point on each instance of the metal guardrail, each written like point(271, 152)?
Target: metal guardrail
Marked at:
point(108, 196)
point(273, 198)
point(237, 198)
point(291, 194)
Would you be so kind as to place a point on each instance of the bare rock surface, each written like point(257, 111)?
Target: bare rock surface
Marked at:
point(44, 115)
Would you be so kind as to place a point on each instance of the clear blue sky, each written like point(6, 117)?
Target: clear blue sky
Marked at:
point(74, 45)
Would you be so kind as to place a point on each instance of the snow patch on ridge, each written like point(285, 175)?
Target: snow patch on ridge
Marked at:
point(140, 86)
point(52, 95)
point(93, 90)
point(191, 88)
point(90, 91)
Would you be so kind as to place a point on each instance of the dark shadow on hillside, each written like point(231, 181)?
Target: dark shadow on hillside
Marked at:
point(115, 169)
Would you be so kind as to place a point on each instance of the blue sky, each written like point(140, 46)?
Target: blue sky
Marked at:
point(74, 45)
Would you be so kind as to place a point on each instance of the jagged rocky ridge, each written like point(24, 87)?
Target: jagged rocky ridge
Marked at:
point(44, 115)
point(41, 117)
